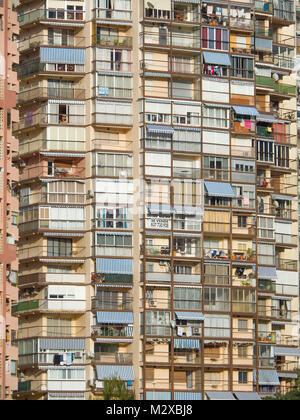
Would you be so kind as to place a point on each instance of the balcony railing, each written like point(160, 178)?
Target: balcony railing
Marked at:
point(109, 118)
point(285, 264)
point(51, 198)
point(72, 305)
point(35, 66)
point(43, 93)
point(118, 358)
point(61, 172)
point(61, 225)
point(51, 145)
point(114, 14)
point(112, 278)
point(105, 331)
point(57, 331)
point(36, 41)
point(112, 41)
point(43, 278)
point(50, 252)
point(52, 14)
point(115, 304)
point(43, 119)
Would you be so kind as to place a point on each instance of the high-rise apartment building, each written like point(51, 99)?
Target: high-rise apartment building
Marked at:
point(158, 198)
point(9, 30)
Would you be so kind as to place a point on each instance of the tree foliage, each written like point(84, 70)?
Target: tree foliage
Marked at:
point(115, 389)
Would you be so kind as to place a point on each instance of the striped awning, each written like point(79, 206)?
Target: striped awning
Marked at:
point(160, 129)
point(187, 396)
point(62, 55)
point(186, 343)
point(125, 373)
point(181, 128)
point(219, 189)
point(158, 395)
point(54, 154)
point(282, 197)
point(267, 377)
point(287, 375)
point(266, 118)
point(189, 316)
point(114, 317)
point(114, 266)
point(218, 395)
point(62, 367)
point(64, 234)
point(114, 340)
point(287, 351)
point(246, 110)
point(63, 261)
point(247, 396)
point(61, 344)
point(66, 395)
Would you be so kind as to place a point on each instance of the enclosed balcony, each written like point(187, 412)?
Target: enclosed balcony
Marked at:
point(50, 305)
point(36, 253)
point(114, 12)
point(45, 93)
point(60, 170)
point(40, 145)
point(60, 40)
point(44, 278)
point(73, 14)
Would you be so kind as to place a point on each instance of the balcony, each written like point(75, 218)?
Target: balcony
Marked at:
point(44, 278)
point(53, 198)
point(41, 145)
point(33, 120)
point(179, 40)
point(266, 286)
point(62, 332)
point(52, 224)
point(117, 304)
point(69, 16)
point(115, 119)
point(67, 172)
point(114, 15)
point(264, 6)
point(42, 360)
point(286, 264)
point(286, 240)
point(36, 41)
point(112, 41)
point(35, 66)
point(124, 279)
point(111, 331)
point(114, 358)
point(38, 252)
point(50, 305)
point(44, 93)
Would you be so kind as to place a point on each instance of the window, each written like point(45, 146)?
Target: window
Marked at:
point(242, 352)
point(242, 67)
point(216, 299)
point(14, 218)
point(216, 168)
point(187, 298)
point(265, 151)
point(216, 274)
point(215, 117)
point(242, 221)
point(113, 165)
point(215, 39)
point(243, 377)
point(59, 327)
point(118, 240)
point(243, 325)
point(58, 247)
point(114, 86)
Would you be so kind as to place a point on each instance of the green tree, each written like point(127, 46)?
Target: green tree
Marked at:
point(115, 389)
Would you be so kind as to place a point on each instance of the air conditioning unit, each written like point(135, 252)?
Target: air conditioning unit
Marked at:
point(162, 263)
point(91, 355)
point(78, 355)
point(91, 383)
point(153, 303)
point(196, 331)
point(90, 194)
point(43, 388)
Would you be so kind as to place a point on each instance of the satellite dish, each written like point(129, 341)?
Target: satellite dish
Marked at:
point(150, 5)
point(275, 77)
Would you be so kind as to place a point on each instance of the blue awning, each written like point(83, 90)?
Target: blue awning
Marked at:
point(216, 58)
point(187, 396)
point(62, 55)
point(158, 395)
point(219, 189)
point(286, 375)
point(267, 377)
point(287, 351)
point(186, 343)
point(114, 266)
point(219, 395)
point(189, 316)
point(247, 396)
point(246, 110)
point(114, 317)
point(155, 209)
point(61, 344)
point(125, 373)
point(267, 273)
point(160, 129)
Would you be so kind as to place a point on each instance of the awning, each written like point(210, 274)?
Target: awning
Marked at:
point(64, 234)
point(218, 395)
point(188, 1)
point(186, 343)
point(54, 154)
point(246, 110)
point(189, 211)
point(114, 266)
point(287, 375)
point(189, 316)
point(216, 58)
point(125, 373)
point(114, 340)
point(77, 395)
point(158, 395)
point(160, 129)
point(62, 55)
point(114, 317)
point(155, 209)
point(287, 351)
point(282, 197)
point(187, 396)
point(62, 344)
point(267, 377)
point(266, 118)
point(219, 189)
point(181, 128)
point(267, 273)
point(247, 396)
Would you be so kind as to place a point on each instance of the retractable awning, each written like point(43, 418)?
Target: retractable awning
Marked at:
point(156, 209)
point(160, 129)
point(62, 55)
point(61, 344)
point(246, 110)
point(187, 396)
point(216, 58)
point(125, 373)
point(189, 316)
point(267, 273)
point(219, 189)
point(114, 317)
point(267, 377)
point(247, 396)
point(282, 197)
point(218, 395)
point(186, 343)
point(286, 351)
point(114, 266)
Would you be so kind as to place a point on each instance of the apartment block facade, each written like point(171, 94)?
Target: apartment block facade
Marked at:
point(8, 199)
point(158, 198)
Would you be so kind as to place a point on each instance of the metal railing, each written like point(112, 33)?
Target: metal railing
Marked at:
point(42, 93)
